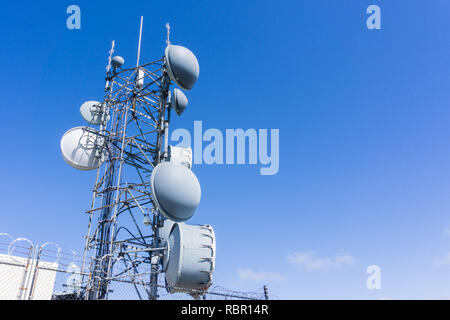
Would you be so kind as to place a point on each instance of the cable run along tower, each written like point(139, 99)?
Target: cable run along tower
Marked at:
point(144, 189)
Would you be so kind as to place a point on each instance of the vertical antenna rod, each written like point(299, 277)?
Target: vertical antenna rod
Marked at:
point(108, 67)
point(140, 38)
point(168, 33)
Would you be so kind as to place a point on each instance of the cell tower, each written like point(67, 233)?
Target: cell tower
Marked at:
point(144, 188)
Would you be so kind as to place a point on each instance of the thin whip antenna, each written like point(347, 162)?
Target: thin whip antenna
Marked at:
point(140, 38)
point(108, 67)
point(168, 33)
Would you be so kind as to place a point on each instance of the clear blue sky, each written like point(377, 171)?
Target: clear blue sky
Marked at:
point(364, 124)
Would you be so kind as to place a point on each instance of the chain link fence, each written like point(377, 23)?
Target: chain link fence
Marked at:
point(31, 272)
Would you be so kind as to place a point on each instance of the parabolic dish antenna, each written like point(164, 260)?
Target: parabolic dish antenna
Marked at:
point(164, 233)
point(175, 190)
point(79, 148)
point(90, 111)
point(179, 101)
point(182, 66)
point(191, 257)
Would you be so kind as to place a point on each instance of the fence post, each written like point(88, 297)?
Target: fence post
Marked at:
point(37, 257)
point(266, 293)
point(23, 288)
point(36, 266)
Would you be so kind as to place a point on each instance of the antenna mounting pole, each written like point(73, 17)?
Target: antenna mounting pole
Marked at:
point(140, 39)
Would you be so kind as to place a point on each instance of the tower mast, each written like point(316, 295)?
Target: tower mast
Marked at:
point(136, 98)
point(137, 177)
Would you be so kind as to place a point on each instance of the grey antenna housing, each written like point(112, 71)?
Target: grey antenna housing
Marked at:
point(182, 66)
point(175, 191)
point(179, 101)
point(191, 258)
point(117, 62)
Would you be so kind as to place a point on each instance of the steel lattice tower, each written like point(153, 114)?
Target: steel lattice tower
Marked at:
point(133, 137)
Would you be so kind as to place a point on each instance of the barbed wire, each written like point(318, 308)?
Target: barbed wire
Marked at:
point(43, 272)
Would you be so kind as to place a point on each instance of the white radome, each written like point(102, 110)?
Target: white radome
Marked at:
point(182, 66)
point(179, 101)
point(175, 190)
point(117, 62)
point(79, 148)
point(90, 112)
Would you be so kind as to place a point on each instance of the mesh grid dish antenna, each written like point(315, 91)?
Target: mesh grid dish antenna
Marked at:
point(137, 174)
